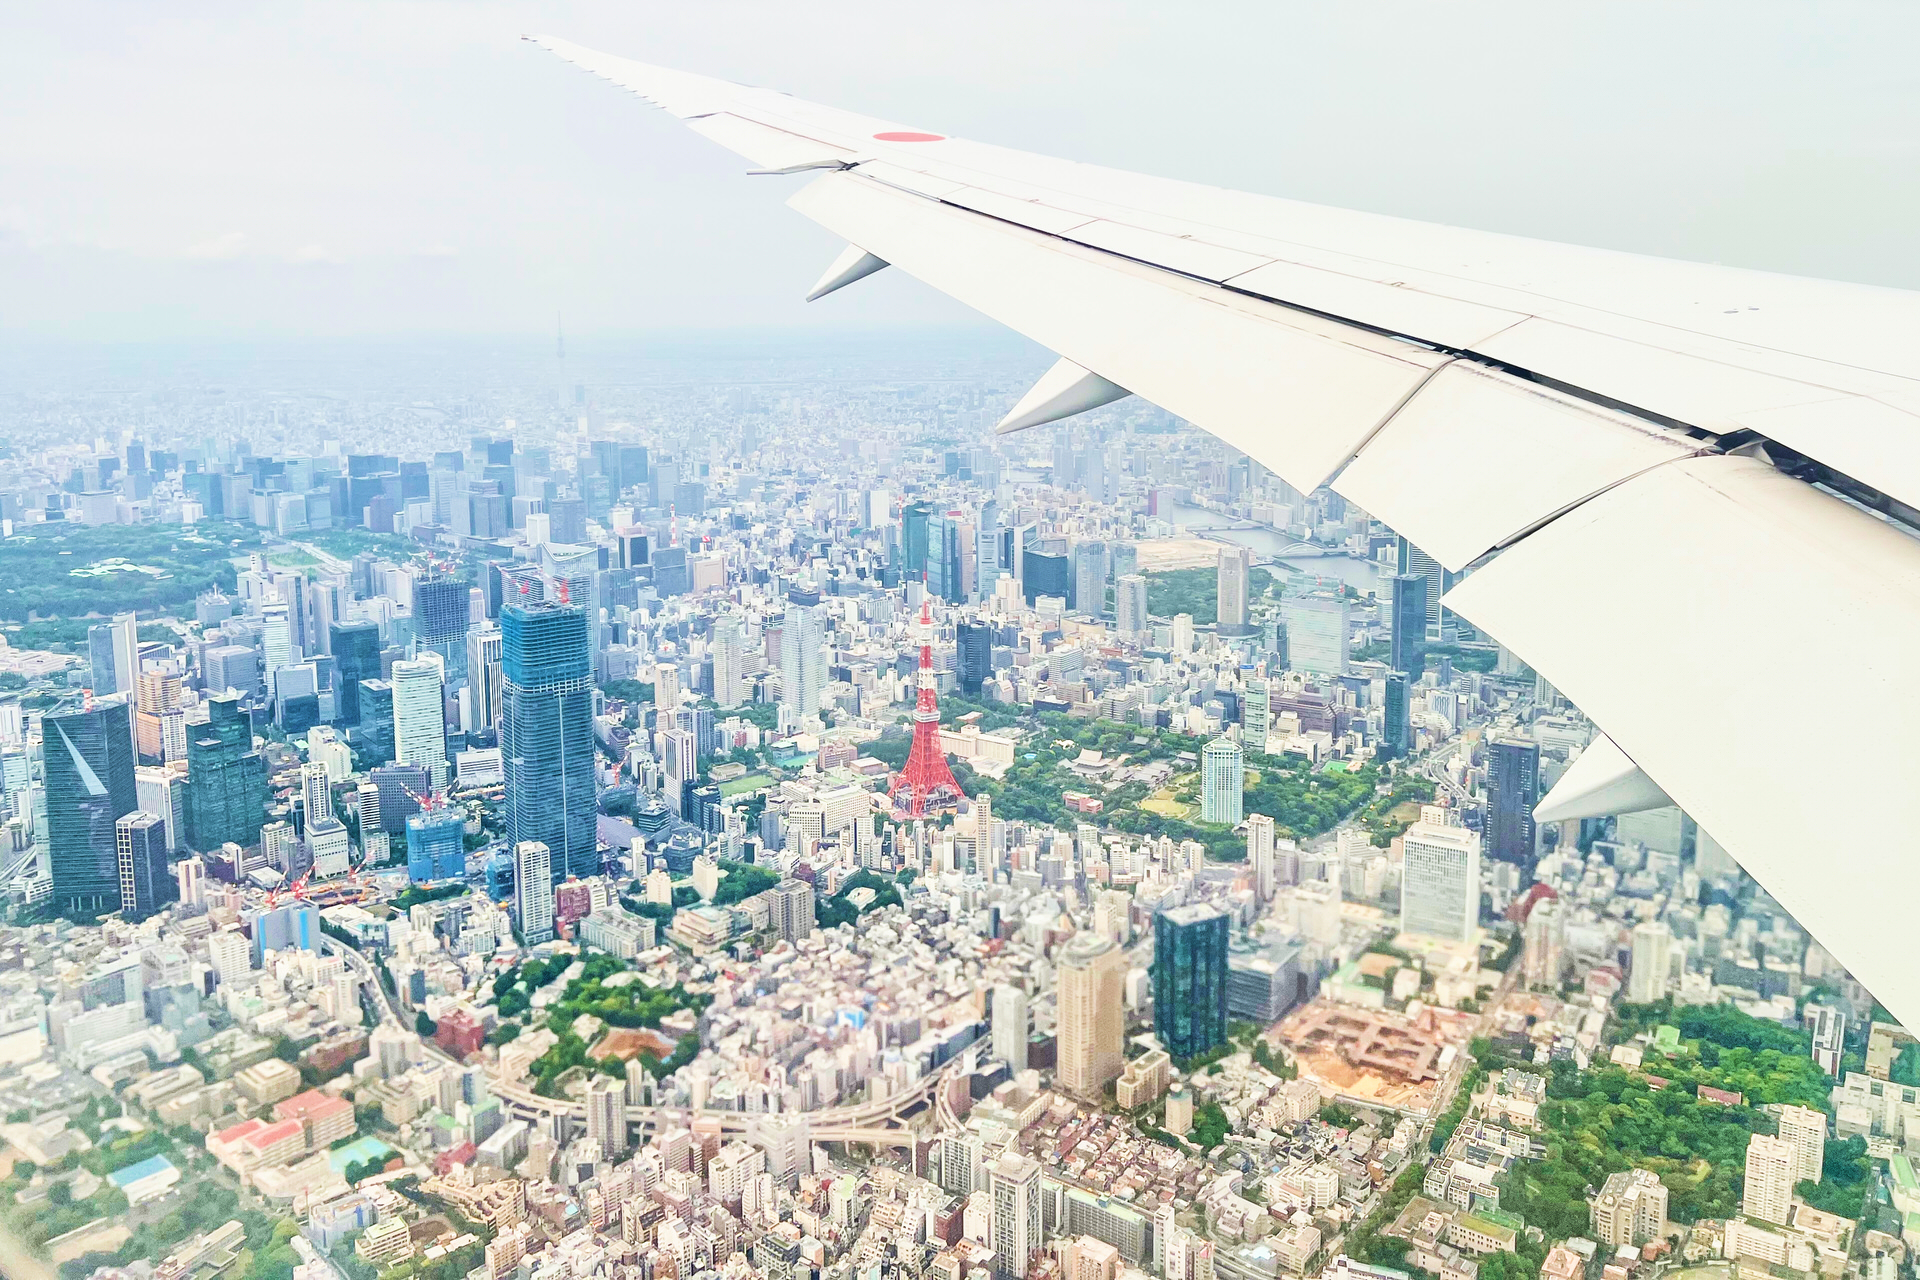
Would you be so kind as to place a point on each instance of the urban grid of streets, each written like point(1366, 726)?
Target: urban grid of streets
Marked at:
point(1241, 954)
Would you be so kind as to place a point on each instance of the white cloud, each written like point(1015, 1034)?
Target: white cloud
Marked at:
point(313, 255)
point(439, 251)
point(222, 248)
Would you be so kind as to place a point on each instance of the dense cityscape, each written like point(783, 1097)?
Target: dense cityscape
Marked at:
point(722, 815)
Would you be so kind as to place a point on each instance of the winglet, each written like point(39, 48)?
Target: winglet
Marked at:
point(854, 263)
point(1064, 390)
point(1602, 781)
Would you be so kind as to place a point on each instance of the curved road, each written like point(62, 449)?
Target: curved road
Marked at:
point(877, 1121)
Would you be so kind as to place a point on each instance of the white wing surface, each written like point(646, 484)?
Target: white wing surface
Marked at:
point(1686, 491)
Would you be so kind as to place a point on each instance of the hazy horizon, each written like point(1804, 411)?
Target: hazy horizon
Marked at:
point(416, 169)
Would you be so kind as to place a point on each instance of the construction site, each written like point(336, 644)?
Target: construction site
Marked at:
point(1373, 1055)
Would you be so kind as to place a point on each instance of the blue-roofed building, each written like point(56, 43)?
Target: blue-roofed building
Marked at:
point(148, 1180)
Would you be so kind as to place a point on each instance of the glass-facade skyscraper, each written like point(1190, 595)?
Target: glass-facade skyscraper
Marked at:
point(89, 761)
point(440, 620)
point(546, 733)
point(1190, 979)
point(355, 647)
point(226, 778)
point(1513, 786)
point(140, 851)
point(974, 642)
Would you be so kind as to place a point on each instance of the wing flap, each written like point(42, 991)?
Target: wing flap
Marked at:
point(1672, 608)
point(1477, 457)
point(765, 145)
point(1296, 392)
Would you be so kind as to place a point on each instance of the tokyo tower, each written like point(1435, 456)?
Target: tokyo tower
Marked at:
point(926, 783)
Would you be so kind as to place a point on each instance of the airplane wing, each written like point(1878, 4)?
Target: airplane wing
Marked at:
point(1687, 493)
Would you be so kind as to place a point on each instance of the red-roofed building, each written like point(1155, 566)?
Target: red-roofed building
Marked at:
point(445, 1160)
point(327, 1118)
point(1707, 1093)
point(252, 1143)
point(460, 1033)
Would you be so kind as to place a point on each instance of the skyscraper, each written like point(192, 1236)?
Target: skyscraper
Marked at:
point(729, 664)
point(1316, 633)
point(1771, 1165)
point(1396, 730)
point(1260, 850)
point(1223, 779)
point(973, 642)
point(1090, 1021)
point(1409, 623)
point(1806, 1129)
point(88, 763)
point(483, 676)
point(1513, 786)
point(440, 619)
point(1232, 580)
point(1014, 1234)
point(355, 647)
point(791, 901)
point(1417, 563)
point(436, 844)
point(1010, 1026)
point(1190, 979)
point(607, 1115)
point(1440, 884)
point(913, 538)
point(1652, 955)
point(113, 651)
point(803, 665)
point(679, 766)
point(1130, 606)
point(546, 733)
point(140, 849)
point(420, 717)
point(1256, 713)
point(1090, 578)
point(226, 778)
point(533, 891)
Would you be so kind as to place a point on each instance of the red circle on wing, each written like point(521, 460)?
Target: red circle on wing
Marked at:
point(908, 135)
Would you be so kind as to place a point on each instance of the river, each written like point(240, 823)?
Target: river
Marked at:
point(1361, 575)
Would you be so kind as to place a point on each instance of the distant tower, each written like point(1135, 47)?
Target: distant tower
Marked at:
point(926, 782)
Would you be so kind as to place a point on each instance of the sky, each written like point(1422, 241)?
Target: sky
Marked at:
point(222, 171)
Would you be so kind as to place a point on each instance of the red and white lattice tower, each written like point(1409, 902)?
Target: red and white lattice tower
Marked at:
point(926, 783)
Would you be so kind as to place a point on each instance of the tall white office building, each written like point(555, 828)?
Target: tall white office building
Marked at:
point(533, 890)
point(1317, 630)
point(420, 717)
point(1223, 782)
point(1010, 1026)
point(607, 1115)
point(1231, 582)
point(1440, 881)
point(484, 677)
point(1260, 850)
point(1014, 1234)
point(1652, 955)
point(316, 793)
point(666, 687)
point(729, 664)
point(1130, 606)
point(1256, 713)
point(803, 662)
point(276, 640)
